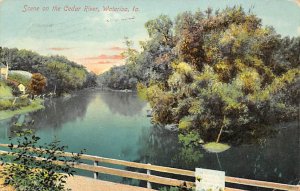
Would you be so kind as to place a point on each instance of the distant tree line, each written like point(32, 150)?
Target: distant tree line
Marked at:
point(213, 71)
point(62, 74)
point(125, 76)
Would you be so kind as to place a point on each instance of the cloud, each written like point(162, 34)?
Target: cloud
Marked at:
point(102, 63)
point(117, 48)
point(58, 48)
point(105, 62)
point(105, 57)
point(298, 30)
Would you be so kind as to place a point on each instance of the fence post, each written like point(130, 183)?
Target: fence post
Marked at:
point(207, 179)
point(95, 173)
point(149, 173)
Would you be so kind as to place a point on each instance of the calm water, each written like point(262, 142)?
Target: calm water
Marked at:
point(115, 125)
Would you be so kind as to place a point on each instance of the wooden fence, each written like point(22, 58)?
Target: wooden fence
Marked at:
point(158, 179)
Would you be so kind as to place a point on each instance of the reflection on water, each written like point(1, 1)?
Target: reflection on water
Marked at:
point(160, 146)
point(125, 104)
point(115, 125)
point(274, 158)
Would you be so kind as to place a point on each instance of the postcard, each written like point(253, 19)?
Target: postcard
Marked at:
point(165, 95)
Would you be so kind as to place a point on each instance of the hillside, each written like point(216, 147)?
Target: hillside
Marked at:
point(62, 74)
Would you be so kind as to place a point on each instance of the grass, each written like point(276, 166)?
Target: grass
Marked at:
point(5, 91)
point(20, 78)
point(214, 147)
point(34, 106)
point(8, 109)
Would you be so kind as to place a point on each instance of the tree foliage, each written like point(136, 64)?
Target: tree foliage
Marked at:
point(30, 166)
point(215, 71)
point(62, 74)
point(37, 84)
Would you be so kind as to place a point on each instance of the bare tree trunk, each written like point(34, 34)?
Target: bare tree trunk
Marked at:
point(14, 101)
point(6, 75)
point(221, 130)
point(55, 89)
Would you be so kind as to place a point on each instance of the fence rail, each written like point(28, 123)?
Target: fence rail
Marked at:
point(153, 178)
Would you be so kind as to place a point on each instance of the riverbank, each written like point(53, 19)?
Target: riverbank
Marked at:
point(34, 106)
point(114, 90)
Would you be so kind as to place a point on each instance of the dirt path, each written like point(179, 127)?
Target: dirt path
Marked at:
point(79, 183)
point(4, 188)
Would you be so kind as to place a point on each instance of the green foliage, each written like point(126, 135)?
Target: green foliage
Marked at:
point(24, 172)
point(64, 77)
point(190, 139)
point(214, 147)
point(190, 151)
point(185, 123)
point(5, 104)
point(150, 64)
point(224, 73)
point(13, 104)
point(163, 112)
point(19, 78)
point(119, 78)
point(14, 109)
point(5, 90)
point(214, 72)
point(126, 76)
point(142, 91)
point(160, 28)
point(71, 77)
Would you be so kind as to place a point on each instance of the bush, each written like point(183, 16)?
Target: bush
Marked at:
point(24, 172)
point(22, 102)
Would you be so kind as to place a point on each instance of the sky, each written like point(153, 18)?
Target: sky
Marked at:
point(86, 32)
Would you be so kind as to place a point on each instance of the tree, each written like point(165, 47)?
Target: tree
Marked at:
point(65, 78)
point(73, 76)
point(37, 84)
point(224, 76)
point(214, 72)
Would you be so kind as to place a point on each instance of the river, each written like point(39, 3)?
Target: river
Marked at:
point(114, 125)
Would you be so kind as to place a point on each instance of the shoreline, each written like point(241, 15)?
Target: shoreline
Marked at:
point(34, 106)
